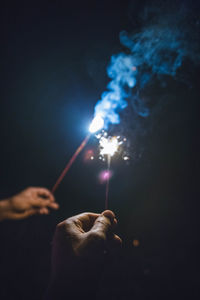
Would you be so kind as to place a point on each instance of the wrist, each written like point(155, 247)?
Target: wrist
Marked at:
point(5, 209)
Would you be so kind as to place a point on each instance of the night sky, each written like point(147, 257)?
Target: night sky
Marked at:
point(53, 60)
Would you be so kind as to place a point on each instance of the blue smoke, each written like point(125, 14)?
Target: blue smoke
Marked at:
point(123, 73)
point(157, 50)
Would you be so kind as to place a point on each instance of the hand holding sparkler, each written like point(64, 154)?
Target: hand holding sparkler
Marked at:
point(31, 201)
point(78, 251)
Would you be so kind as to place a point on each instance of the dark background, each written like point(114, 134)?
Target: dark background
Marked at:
point(53, 70)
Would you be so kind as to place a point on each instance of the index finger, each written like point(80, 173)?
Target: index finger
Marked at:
point(82, 222)
point(43, 192)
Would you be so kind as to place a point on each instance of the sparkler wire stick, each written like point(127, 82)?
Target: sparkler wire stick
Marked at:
point(71, 161)
point(108, 180)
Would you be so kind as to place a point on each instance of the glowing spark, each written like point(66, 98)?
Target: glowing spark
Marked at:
point(108, 146)
point(105, 133)
point(136, 243)
point(125, 158)
point(97, 124)
point(108, 180)
point(105, 175)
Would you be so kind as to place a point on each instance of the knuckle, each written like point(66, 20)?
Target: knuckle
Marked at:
point(68, 224)
point(104, 221)
point(60, 231)
point(60, 227)
point(107, 220)
point(65, 225)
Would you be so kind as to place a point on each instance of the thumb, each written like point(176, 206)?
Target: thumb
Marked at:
point(104, 222)
point(96, 237)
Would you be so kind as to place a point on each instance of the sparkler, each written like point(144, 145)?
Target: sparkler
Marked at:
point(108, 147)
point(107, 181)
point(96, 125)
point(69, 164)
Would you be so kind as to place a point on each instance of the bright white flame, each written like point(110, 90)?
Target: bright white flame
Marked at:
point(97, 124)
point(125, 158)
point(108, 146)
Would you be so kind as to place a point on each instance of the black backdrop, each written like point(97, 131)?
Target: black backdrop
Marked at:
point(53, 70)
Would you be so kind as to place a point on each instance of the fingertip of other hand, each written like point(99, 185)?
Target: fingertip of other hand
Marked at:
point(54, 205)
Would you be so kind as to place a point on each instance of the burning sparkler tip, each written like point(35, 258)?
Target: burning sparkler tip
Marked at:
point(108, 146)
point(126, 157)
point(96, 124)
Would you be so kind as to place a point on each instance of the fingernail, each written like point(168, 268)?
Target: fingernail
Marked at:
point(108, 213)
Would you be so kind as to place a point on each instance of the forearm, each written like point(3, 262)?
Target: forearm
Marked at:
point(5, 207)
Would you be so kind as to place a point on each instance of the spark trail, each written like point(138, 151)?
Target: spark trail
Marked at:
point(107, 181)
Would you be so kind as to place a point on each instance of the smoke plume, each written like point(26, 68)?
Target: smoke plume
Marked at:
point(168, 37)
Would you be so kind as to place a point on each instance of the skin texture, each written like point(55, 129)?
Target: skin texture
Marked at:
point(31, 201)
point(78, 254)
